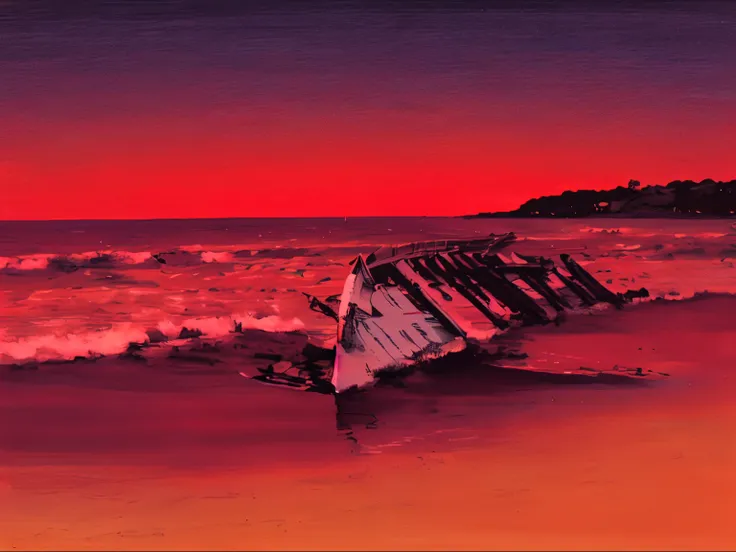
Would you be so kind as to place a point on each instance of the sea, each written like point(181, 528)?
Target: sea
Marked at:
point(86, 289)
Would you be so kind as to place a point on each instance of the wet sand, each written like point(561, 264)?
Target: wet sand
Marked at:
point(122, 455)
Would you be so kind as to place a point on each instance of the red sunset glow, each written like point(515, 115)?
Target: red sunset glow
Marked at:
point(231, 118)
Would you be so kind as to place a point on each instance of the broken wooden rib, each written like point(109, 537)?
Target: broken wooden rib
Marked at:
point(401, 305)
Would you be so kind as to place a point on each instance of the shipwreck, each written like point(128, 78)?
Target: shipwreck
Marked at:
point(405, 304)
point(408, 304)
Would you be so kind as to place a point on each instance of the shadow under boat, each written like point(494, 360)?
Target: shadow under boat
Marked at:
point(480, 368)
point(474, 375)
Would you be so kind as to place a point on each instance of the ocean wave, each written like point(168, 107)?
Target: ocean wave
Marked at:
point(224, 325)
point(687, 297)
point(184, 256)
point(629, 232)
point(117, 259)
point(621, 231)
point(75, 261)
point(116, 340)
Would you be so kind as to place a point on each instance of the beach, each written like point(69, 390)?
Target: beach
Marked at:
point(181, 452)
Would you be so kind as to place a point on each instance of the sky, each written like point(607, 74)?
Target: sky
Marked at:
point(182, 109)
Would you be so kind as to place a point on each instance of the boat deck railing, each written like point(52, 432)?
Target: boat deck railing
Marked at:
point(393, 253)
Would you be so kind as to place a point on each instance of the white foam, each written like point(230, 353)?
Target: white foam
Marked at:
point(116, 340)
point(216, 256)
point(66, 347)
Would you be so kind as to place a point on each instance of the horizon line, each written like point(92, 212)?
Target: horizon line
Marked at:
point(229, 218)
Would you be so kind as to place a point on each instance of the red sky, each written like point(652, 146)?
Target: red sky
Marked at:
point(442, 118)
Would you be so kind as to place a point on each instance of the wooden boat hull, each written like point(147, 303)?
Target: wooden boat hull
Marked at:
point(404, 304)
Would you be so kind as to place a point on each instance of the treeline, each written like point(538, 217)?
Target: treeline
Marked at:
point(680, 197)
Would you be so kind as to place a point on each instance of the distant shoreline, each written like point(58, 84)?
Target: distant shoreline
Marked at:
point(680, 199)
point(603, 216)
